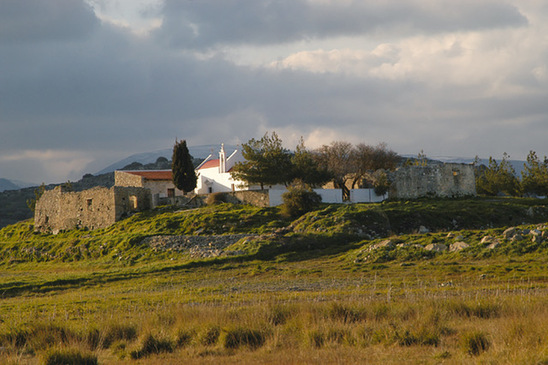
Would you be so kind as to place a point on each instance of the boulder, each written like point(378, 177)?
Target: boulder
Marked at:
point(450, 235)
point(423, 230)
point(493, 245)
point(457, 246)
point(516, 237)
point(436, 247)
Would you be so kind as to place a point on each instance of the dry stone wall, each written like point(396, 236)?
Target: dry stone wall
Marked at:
point(95, 208)
point(443, 180)
point(122, 178)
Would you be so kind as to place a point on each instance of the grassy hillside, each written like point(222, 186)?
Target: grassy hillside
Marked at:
point(241, 284)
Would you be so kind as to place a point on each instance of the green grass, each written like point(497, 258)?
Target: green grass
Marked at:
point(322, 290)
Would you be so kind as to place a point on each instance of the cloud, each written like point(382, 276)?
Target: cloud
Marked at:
point(38, 20)
point(210, 23)
point(448, 77)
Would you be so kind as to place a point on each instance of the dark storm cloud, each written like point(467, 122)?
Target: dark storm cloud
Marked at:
point(43, 20)
point(207, 23)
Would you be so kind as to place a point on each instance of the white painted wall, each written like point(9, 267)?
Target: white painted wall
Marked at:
point(332, 196)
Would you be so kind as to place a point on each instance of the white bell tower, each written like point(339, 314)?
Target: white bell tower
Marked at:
point(222, 159)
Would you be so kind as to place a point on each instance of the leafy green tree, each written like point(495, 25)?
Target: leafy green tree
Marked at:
point(534, 177)
point(497, 178)
point(184, 175)
point(267, 162)
point(307, 168)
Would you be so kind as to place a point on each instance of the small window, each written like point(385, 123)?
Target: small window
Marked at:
point(210, 190)
point(89, 203)
point(170, 193)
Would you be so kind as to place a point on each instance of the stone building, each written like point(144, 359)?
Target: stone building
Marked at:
point(95, 208)
point(450, 180)
point(159, 182)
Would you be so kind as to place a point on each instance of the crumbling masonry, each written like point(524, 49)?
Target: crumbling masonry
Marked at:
point(58, 209)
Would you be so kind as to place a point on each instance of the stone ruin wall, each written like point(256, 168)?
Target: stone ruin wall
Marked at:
point(443, 180)
point(128, 200)
point(122, 178)
point(99, 207)
point(258, 198)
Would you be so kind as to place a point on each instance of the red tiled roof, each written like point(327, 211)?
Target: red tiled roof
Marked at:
point(153, 174)
point(209, 164)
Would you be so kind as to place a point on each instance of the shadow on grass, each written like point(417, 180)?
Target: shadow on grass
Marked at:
point(293, 248)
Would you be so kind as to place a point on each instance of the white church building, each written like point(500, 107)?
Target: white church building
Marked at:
point(214, 173)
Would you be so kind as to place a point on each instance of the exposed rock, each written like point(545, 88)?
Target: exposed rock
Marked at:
point(197, 246)
point(457, 246)
point(537, 239)
point(509, 233)
point(535, 232)
point(423, 230)
point(450, 235)
point(516, 237)
point(436, 247)
point(385, 243)
point(487, 239)
point(493, 245)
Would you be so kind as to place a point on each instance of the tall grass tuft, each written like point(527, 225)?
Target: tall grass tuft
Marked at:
point(240, 336)
point(68, 357)
point(118, 332)
point(474, 343)
point(152, 345)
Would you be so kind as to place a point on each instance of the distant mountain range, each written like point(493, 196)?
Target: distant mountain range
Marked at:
point(7, 184)
point(151, 157)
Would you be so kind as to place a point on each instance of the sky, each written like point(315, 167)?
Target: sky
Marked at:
point(85, 83)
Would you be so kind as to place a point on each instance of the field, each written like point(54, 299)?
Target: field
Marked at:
point(342, 284)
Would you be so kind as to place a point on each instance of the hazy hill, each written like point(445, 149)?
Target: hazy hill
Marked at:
point(200, 152)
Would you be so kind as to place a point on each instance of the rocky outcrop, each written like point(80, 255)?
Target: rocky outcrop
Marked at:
point(197, 246)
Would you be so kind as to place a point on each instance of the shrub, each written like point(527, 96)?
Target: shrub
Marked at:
point(475, 343)
point(234, 338)
point(299, 199)
point(215, 198)
point(68, 357)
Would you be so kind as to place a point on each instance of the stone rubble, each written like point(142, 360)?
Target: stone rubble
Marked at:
point(197, 246)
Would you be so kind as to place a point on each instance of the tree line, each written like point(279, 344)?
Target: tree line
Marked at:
point(347, 166)
point(500, 178)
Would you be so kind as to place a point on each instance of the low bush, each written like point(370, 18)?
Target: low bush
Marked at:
point(298, 200)
point(215, 198)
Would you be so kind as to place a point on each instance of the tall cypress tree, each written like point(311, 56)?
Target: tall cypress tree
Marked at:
point(184, 175)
